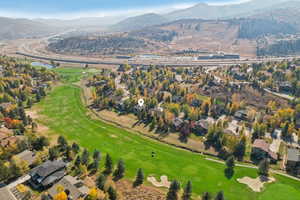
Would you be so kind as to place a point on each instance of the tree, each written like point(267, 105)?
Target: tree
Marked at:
point(120, 171)
point(139, 178)
point(53, 153)
point(75, 148)
point(108, 164)
point(206, 196)
point(93, 194)
point(173, 190)
point(229, 171)
point(240, 149)
point(97, 155)
point(187, 192)
point(263, 168)
point(112, 193)
point(85, 157)
point(77, 161)
point(62, 143)
point(220, 196)
point(101, 180)
point(61, 196)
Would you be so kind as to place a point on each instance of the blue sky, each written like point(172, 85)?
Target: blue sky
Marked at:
point(89, 8)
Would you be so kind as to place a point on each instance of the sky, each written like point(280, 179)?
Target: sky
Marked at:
point(69, 9)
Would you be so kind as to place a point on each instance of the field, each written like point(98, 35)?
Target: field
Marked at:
point(64, 113)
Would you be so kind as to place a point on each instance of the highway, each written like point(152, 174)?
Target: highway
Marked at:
point(152, 62)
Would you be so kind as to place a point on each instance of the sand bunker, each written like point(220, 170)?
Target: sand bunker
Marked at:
point(163, 183)
point(256, 184)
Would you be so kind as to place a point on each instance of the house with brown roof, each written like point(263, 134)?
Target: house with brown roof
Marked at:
point(73, 187)
point(28, 156)
point(261, 150)
point(293, 161)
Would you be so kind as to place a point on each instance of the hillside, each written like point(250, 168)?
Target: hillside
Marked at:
point(23, 28)
point(205, 11)
point(139, 22)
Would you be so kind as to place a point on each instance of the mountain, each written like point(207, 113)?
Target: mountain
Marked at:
point(23, 28)
point(205, 11)
point(139, 22)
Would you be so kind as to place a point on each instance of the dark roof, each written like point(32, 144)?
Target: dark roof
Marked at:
point(76, 187)
point(293, 155)
point(48, 168)
point(53, 177)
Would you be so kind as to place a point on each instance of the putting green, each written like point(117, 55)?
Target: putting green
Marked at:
point(64, 113)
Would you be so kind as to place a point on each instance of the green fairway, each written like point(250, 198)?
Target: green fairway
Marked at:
point(63, 112)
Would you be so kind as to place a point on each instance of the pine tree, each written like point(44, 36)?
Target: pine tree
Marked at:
point(112, 193)
point(62, 143)
point(263, 168)
point(108, 164)
point(139, 177)
point(173, 190)
point(75, 148)
point(101, 180)
point(77, 161)
point(97, 155)
point(120, 171)
point(220, 196)
point(85, 157)
point(187, 193)
point(206, 196)
point(230, 162)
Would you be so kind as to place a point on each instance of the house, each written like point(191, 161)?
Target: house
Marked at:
point(201, 127)
point(6, 194)
point(10, 141)
point(285, 87)
point(5, 106)
point(261, 150)
point(47, 174)
point(28, 156)
point(241, 115)
point(293, 161)
point(177, 123)
point(74, 187)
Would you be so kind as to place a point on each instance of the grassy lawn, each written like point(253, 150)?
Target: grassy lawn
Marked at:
point(63, 112)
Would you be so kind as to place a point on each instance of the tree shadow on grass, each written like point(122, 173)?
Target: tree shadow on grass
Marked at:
point(229, 172)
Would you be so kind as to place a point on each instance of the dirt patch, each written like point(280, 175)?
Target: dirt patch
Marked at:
point(256, 184)
point(127, 192)
point(163, 181)
point(32, 113)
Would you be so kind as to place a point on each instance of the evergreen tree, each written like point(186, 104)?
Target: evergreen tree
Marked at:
point(240, 149)
point(263, 168)
point(75, 148)
point(85, 157)
point(220, 196)
point(112, 193)
point(108, 164)
point(97, 155)
point(120, 171)
point(101, 180)
point(139, 178)
point(77, 161)
point(53, 153)
point(206, 196)
point(173, 190)
point(62, 143)
point(187, 193)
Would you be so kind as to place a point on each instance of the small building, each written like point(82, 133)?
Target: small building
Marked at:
point(285, 87)
point(201, 127)
point(241, 115)
point(74, 187)
point(47, 174)
point(28, 156)
point(261, 150)
point(177, 123)
point(293, 161)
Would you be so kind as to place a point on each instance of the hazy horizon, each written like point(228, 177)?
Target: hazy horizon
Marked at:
point(31, 9)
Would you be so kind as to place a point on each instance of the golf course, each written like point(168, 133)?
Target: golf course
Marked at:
point(64, 113)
